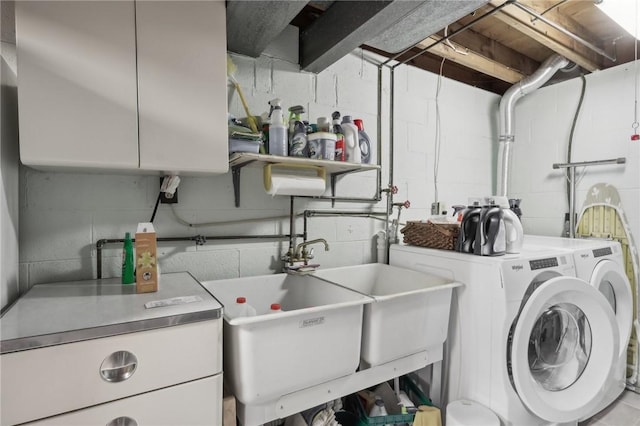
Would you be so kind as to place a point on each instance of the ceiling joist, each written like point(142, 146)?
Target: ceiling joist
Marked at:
point(548, 36)
point(472, 60)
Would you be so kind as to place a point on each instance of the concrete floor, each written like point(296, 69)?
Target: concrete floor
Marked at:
point(624, 412)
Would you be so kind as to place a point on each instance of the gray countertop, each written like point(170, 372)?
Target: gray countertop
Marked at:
point(50, 314)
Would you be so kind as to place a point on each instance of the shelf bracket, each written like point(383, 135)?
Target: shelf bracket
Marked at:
point(235, 176)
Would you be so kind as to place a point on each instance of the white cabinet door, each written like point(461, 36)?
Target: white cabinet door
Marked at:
point(77, 84)
point(182, 85)
point(195, 403)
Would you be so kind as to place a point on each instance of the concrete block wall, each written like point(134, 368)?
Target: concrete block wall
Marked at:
point(603, 130)
point(62, 215)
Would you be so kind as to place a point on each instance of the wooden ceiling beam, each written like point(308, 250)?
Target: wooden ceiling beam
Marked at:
point(548, 36)
point(559, 18)
point(471, 59)
point(493, 50)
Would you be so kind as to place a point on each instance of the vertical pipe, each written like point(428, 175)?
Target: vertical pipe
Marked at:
point(292, 235)
point(391, 141)
point(572, 202)
point(507, 112)
point(379, 138)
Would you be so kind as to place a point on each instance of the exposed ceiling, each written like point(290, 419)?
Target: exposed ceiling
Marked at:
point(491, 52)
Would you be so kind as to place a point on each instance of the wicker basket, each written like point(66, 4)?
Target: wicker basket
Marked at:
point(432, 235)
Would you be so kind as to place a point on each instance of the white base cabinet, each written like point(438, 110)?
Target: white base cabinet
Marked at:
point(95, 352)
point(130, 86)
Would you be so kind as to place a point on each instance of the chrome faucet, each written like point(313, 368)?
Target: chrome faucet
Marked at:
point(301, 254)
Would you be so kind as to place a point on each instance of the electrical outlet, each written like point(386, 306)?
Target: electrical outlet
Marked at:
point(435, 209)
point(168, 200)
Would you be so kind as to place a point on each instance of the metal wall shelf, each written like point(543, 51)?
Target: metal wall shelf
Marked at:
point(239, 160)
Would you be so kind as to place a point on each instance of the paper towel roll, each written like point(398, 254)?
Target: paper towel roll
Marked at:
point(288, 184)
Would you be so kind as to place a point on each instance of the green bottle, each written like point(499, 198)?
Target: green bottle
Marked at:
point(128, 270)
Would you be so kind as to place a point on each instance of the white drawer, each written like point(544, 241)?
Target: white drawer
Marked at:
point(196, 403)
point(44, 382)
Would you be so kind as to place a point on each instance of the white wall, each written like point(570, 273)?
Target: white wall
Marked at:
point(9, 213)
point(603, 130)
point(62, 215)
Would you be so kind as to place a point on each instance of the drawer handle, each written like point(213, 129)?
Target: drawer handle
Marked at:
point(117, 367)
point(122, 421)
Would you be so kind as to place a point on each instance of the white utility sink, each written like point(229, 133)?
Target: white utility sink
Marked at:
point(410, 313)
point(315, 339)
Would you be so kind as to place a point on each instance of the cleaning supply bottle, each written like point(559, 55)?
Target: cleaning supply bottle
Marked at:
point(298, 140)
point(323, 124)
point(468, 228)
point(514, 234)
point(351, 140)
point(240, 309)
point(297, 132)
point(491, 233)
point(337, 129)
point(278, 138)
point(363, 141)
point(128, 265)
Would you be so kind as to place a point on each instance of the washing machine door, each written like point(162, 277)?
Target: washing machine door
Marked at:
point(609, 278)
point(563, 346)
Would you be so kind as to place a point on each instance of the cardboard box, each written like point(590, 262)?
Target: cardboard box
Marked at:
point(146, 259)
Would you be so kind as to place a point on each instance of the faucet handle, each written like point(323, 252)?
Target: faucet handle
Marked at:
point(310, 254)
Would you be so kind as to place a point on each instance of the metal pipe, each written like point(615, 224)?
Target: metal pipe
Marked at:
point(565, 31)
point(198, 239)
point(311, 213)
point(442, 40)
point(572, 202)
point(292, 238)
point(379, 137)
point(391, 144)
point(621, 160)
point(507, 111)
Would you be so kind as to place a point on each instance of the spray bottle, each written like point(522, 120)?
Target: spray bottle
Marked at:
point(278, 138)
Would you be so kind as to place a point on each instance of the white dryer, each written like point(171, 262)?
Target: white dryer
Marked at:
point(528, 339)
point(600, 262)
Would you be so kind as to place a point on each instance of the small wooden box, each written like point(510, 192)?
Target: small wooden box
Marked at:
point(146, 259)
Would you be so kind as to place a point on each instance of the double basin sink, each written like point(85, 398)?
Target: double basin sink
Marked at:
point(332, 322)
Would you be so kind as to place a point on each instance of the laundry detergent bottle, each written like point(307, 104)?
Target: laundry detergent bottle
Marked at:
point(468, 228)
point(351, 140)
point(514, 234)
point(364, 142)
point(490, 233)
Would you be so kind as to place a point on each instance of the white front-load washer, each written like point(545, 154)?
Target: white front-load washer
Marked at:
point(528, 339)
point(600, 262)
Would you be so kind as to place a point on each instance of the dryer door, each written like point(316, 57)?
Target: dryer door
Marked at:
point(610, 279)
point(562, 349)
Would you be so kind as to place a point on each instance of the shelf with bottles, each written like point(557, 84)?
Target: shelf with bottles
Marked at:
point(239, 160)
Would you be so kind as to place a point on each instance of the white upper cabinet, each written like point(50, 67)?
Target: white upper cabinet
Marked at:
point(123, 85)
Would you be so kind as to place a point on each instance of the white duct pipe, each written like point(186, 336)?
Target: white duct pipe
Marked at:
point(507, 108)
